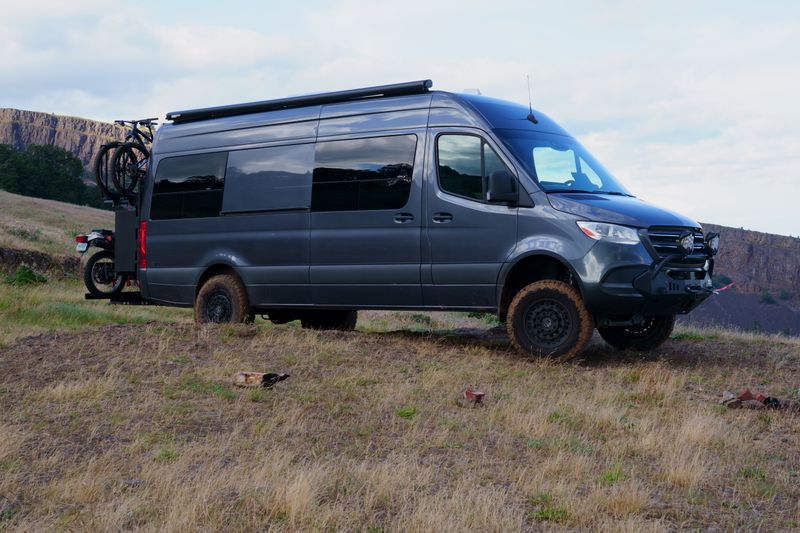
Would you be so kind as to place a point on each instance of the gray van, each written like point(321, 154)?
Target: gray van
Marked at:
point(399, 197)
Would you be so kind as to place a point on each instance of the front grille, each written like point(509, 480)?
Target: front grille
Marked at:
point(665, 240)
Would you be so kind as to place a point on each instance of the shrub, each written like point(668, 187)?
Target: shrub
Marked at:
point(785, 295)
point(27, 234)
point(23, 276)
point(550, 513)
point(490, 319)
point(609, 477)
point(766, 297)
point(406, 412)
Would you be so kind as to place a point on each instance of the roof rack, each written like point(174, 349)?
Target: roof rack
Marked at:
point(397, 89)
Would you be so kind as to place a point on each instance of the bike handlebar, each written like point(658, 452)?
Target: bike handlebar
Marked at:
point(142, 121)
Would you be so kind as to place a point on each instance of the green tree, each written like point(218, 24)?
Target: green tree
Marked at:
point(46, 171)
point(766, 297)
point(9, 161)
point(51, 172)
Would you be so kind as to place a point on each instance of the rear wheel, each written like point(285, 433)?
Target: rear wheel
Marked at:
point(100, 276)
point(330, 320)
point(643, 337)
point(129, 166)
point(548, 318)
point(222, 299)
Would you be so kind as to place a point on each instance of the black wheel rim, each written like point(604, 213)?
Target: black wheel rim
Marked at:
point(128, 170)
point(219, 307)
point(641, 330)
point(547, 323)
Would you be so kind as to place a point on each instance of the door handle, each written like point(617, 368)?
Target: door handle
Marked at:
point(442, 218)
point(403, 218)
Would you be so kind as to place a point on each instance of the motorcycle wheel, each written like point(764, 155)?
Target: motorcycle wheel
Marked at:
point(99, 276)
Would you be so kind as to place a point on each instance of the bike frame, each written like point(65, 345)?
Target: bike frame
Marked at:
point(135, 133)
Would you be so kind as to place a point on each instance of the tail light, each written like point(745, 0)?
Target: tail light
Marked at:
point(142, 263)
point(81, 238)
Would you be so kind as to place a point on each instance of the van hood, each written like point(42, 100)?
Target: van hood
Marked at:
point(625, 210)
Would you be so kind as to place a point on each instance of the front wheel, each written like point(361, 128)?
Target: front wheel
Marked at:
point(548, 318)
point(643, 337)
point(222, 299)
point(100, 277)
point(103, 170)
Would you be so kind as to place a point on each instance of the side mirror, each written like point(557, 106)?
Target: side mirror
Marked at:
point(502, 188)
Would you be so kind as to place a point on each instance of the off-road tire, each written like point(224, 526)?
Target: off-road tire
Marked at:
point(549, 319)
point(103, 170)
point(89, 281)
point(222, 299)
point(329, 320)
point(651, 335)
point(126, 158)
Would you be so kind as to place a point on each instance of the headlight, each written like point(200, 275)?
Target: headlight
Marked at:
point(712, 243)
point(609, 232)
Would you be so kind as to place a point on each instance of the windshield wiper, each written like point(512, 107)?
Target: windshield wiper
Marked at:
point(615, 193)
point(586, 191)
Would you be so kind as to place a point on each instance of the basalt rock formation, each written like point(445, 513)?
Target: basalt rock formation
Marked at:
point(757, 261)
point(82, 137)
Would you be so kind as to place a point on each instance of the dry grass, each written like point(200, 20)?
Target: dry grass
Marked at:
point(60, 306)
point(138, 427)
point(46, 225)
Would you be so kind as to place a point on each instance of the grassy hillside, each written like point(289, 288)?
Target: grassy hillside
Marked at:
point(46, 225)
point(136, 426)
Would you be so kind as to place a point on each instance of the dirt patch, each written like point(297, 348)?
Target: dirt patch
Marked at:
point(59, 267)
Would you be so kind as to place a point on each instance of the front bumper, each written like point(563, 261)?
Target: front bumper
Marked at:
point(634, 284)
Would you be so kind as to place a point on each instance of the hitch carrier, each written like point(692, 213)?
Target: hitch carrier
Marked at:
point(123, 298)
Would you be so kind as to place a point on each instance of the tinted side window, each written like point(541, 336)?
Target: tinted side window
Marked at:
point(266, 179)
point(460, 170)
point(465, 162)
point(363, 174)
point(189, 186)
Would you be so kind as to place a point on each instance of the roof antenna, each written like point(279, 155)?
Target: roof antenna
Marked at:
point(530, 116)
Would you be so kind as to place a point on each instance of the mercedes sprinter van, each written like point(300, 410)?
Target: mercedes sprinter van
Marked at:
point(400, 197)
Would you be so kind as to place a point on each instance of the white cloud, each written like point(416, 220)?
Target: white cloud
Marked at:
point(692, 105)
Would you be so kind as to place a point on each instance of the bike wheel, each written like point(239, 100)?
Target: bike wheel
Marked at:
point(129, 167)
point(102, 170)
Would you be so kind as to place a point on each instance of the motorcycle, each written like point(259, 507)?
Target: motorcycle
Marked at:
point(99, 275)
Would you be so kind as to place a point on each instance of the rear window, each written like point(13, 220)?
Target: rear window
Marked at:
point(363, 174)
point(189, 186)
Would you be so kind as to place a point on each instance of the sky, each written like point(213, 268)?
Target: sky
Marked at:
point(692, 105)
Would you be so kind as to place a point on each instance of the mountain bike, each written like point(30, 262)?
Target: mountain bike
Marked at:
point(120, 166)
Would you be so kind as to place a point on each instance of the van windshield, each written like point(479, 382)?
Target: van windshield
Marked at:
point(559, 163)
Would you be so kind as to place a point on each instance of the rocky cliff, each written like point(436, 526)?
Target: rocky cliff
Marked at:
point(758, 261)
point(80, 136)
